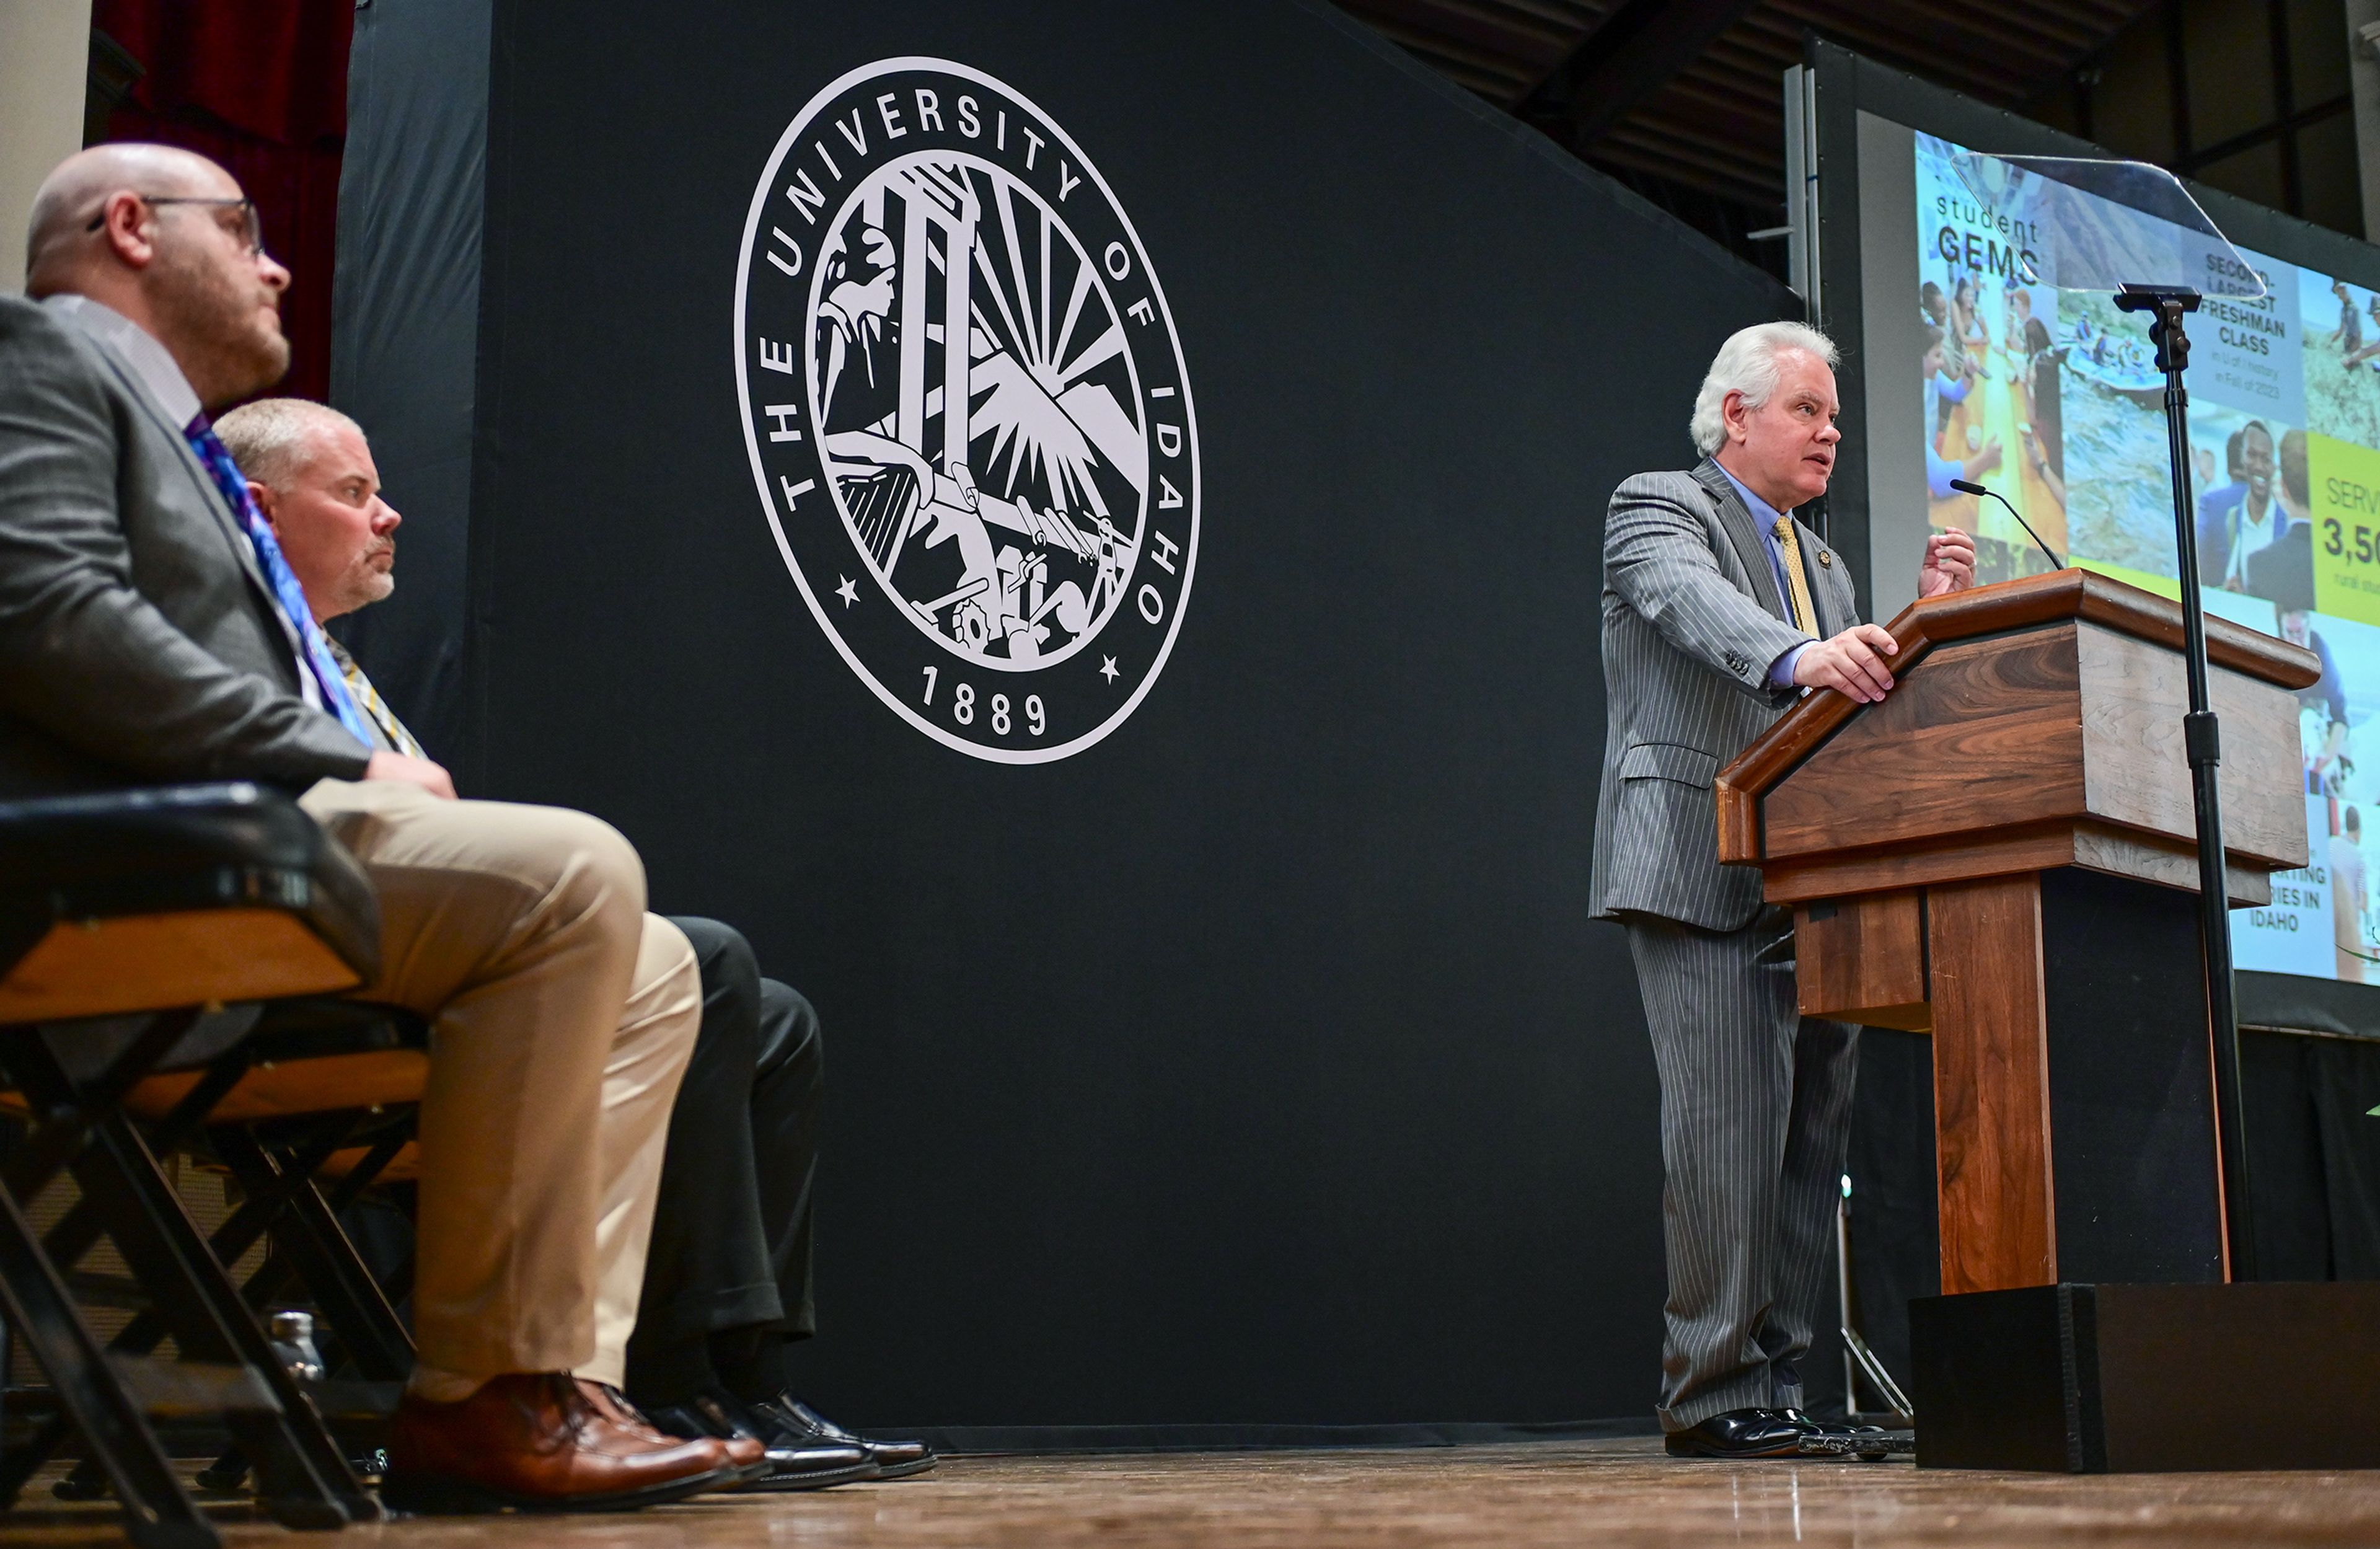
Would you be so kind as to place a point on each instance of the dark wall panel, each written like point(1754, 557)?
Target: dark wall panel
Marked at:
point(1259, 1063)
point(406, 330)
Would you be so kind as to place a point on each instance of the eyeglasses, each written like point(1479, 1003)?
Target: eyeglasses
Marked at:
point(252, 224)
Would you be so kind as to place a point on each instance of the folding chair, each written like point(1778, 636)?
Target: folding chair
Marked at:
point(129, 921)
point(321, 1088)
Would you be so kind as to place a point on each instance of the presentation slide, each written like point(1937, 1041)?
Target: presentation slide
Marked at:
point(2052, 398)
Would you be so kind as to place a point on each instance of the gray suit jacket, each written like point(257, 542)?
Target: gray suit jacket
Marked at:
point(1692, 620)
point(137, 641)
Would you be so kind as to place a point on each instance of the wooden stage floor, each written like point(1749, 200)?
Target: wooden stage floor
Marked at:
point(1547, 1494)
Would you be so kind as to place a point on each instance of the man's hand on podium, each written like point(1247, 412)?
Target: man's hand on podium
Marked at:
point(1851, 662)
point(1949, 563)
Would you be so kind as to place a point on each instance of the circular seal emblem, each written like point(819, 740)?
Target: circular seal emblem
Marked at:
point(966, 410)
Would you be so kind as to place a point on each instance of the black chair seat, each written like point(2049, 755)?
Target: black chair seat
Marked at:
point(317, 1027)
point(141, 899)
point(304, 1058)
point(182, 902)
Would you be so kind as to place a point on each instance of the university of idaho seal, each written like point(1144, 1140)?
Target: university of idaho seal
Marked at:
point(966, 410)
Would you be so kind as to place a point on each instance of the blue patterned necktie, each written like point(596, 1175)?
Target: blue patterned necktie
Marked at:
point(232, 484)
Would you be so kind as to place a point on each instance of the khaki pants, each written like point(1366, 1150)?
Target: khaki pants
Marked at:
point(562, 1017)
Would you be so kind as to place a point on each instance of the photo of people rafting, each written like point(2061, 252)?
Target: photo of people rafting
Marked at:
point(2339, 345)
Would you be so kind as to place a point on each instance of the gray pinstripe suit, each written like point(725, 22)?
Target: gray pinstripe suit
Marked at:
point(1756, 1101)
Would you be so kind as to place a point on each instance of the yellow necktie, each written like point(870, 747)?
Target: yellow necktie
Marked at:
point(367, 699)
point(1806, 615)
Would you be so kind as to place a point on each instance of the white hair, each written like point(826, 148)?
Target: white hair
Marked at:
point(1747, 363)
point(268, 438)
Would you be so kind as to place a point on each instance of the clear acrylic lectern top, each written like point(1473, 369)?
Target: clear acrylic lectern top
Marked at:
point(2096, 224)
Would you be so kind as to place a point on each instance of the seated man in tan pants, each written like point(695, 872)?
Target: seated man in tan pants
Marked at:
point(727, 1278)
point(151, 631)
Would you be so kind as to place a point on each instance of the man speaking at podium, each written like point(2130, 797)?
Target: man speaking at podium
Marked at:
point(1719, 610)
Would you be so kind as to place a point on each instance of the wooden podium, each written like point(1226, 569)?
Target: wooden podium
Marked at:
point(2002, 853)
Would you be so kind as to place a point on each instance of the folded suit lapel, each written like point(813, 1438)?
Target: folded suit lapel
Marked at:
point(227, 521)
point(1737, 523)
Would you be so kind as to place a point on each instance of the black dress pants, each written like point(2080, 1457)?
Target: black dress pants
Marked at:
point(730, 1244)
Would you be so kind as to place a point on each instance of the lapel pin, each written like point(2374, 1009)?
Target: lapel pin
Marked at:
point(1825, 558)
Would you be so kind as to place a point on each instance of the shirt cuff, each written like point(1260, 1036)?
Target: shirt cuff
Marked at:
point(1780, 671)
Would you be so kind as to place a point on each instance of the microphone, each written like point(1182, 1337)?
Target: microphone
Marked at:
point(1963, 487)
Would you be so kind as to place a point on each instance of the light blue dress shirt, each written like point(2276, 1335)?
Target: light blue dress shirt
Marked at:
point(1763, 518)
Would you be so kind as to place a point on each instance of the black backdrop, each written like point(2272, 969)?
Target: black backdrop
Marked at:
point(1260, 1064)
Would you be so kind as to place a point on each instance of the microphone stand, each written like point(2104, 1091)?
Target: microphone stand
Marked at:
point(2165, 306)
point(1966, 487)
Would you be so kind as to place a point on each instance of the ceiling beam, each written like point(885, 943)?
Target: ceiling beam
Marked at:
point(1629, 55)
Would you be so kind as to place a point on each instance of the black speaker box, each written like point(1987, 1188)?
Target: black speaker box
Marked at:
point(2149, 1379)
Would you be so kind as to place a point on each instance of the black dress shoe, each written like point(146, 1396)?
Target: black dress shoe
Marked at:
point(786, 1417)
point(792, 1463)
point(1747, 1434)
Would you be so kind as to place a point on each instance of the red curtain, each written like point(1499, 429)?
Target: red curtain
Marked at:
point(259, 86)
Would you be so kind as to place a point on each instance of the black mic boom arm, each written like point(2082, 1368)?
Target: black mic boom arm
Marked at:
point(1965, 487)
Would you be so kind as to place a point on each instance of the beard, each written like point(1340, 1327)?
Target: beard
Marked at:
point(365, 583)
point(226, 345)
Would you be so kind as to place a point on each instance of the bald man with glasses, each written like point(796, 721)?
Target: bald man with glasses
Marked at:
point(249, 227)
point(151, 631)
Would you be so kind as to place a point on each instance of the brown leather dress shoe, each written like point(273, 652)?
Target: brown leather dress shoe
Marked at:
point(534, 1441)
